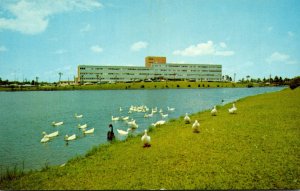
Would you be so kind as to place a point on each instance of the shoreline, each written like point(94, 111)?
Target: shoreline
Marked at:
point(137, 85)
point(133, 143)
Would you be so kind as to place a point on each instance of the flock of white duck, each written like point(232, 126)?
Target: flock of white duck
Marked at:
point(195, 127)
point(132, 123)
point(148, 113)
point(48, 137)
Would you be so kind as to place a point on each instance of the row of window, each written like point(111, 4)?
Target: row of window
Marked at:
point(154, 66)
point(185, 66)
point(155, 71)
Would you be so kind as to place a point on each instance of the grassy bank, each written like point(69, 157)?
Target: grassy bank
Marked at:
point(257, 148)
point(136, 85)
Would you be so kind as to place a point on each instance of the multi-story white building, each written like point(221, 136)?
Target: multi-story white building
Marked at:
point(168, 71)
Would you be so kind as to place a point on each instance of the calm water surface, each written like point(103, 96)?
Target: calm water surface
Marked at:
point(25, 115)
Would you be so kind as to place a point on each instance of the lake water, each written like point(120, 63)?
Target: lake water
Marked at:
point(25, 115)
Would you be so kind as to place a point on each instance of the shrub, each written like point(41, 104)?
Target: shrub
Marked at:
point(203, 85)
point(295, 82)
point(142, 86)
point(250, 85)
point(218, 85)
point(178, 86)
point(199, 85)
point(208, 85)
point(189, 85)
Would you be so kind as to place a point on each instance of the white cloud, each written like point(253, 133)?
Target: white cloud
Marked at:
point(223, 45)
point(86, 28)
point(96, 49)
point(203, 49)
point(277, 57)
point(32, 17)
point(3, 49)
point(138, 46)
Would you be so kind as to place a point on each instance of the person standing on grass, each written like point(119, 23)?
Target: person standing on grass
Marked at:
point(110, 133)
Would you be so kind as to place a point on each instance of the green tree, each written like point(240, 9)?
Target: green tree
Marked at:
point(247, 78)
point(295, 82)
point(258, 80)
point(276, 79)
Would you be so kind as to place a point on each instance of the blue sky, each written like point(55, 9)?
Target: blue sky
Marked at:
point(247, 37)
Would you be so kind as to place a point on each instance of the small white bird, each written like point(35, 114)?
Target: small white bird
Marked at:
point(134, 125)
point(160, 122)
point(121, 132)
point(78, 116)
point(82, 126)
point(214, 111)
point(121, 109)
point(187, 119)
point(233, 109)
point(114, 118)
point(131, 122)
point(146, 139)
point(196, 126)
point(72, 137)
point(54, 134)
point(125, 118)
point(57, 123)
point(170, 109)
point(90, 131)
point(164, 115)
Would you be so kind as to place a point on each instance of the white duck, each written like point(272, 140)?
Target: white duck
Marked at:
point(121, 132)
point(72, 137)
point(134, 125)
point(78, 116)
point(57, 123)
point(154, 110)
point(187, 119)
point(90, 131)
point(164, 115)
point(82, 126)
point(170, 109)
point(214, 111)
point(160, 122)
point(146, 139)
point(196, 126)
point(54, 134)
point(114, 118)
point(131, 122)
point(125, 118)
point(233, 109)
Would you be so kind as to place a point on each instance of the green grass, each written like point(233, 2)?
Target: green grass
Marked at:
point(257, 148)
point(136, 85)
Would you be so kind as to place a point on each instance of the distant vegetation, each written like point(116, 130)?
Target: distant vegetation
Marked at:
point(295, 82)
point(34, 85)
